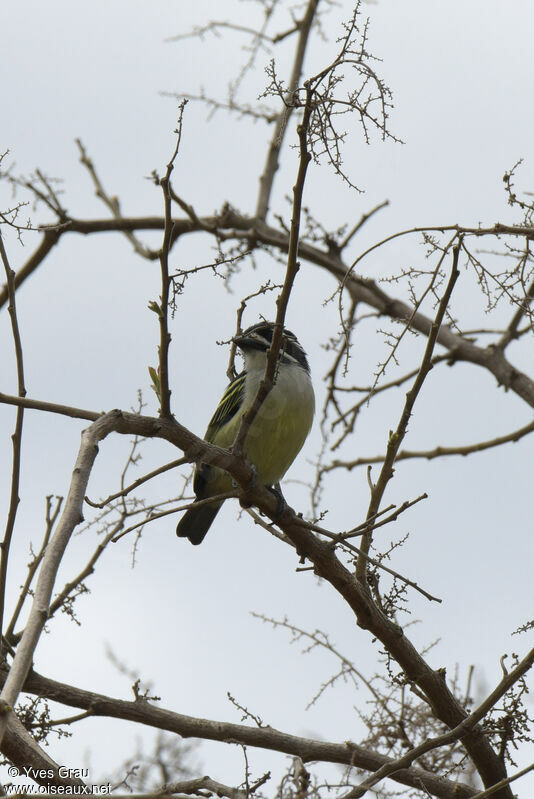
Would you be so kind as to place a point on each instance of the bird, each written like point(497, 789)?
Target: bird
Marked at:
point(277, 432)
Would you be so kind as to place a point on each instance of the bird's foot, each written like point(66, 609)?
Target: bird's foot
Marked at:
point(281, 504)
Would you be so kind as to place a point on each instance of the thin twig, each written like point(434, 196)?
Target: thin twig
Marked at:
point(272, 161)
point(88, 569)
point(437, 452)
point(291, 273)
point(340, 538)
point(358, 226)
point(364, 554)
point(51, 518)
point(396, 438)
point(371, 525)
point(111, 202)
point(502, 783)
point(154, 516)
point(51, 407)
point(449, 737)
point(163, 311)
point(16, 438)
point(125, 491)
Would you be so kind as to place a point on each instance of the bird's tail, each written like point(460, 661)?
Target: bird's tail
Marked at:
point(196, 522)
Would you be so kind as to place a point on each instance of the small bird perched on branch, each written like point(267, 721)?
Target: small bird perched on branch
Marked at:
point(277, 432)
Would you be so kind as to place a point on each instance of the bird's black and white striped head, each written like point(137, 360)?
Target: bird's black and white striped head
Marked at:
point(259, 337)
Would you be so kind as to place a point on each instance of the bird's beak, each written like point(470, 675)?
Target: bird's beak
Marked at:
point(247, 342)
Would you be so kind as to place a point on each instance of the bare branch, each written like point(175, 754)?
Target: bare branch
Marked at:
point(21, 749)
point(125, 491)
point(50, 407)
point(291, 273)
point(71, 516)
point(203, 785)
point(152, 517)
point(396, 438)
point(163, 307)
point(16, 438)
point(51, 518)
point(308, 750)
point(49, 240)
point(455, 734)
point(239, 108)
point(362, 553)
point(503, 783)
point(273, 155)
point(72, 585)
point(319, 553)
point(437, 452)
point(358, 226)
point(110, 202)
point(230, 225)
point(214, 26)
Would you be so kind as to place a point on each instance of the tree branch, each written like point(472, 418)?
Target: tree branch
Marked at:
point(71, 517)
point(16, 438)
point(163, 309)
point(50, 407)
point(320, 553)
point(49, 240)
point(456, 734)
point(291, 273)
point(230, 225)
point(272, 162)
point(307, 749)
point(51, 518)
point(494, 788)
point(136, 483)
point(112, 203)
point(23, 751)
point(396, 438)
point(437, 452)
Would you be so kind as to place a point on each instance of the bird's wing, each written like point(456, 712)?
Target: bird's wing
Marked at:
point(227, 408)
point(231, 401)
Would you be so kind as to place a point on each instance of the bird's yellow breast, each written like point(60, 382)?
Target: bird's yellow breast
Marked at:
point(278, 431)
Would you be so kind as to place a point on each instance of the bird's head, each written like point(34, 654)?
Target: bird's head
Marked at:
point(257, 339)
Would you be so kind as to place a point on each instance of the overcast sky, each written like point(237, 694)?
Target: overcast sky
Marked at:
point(461, 76)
